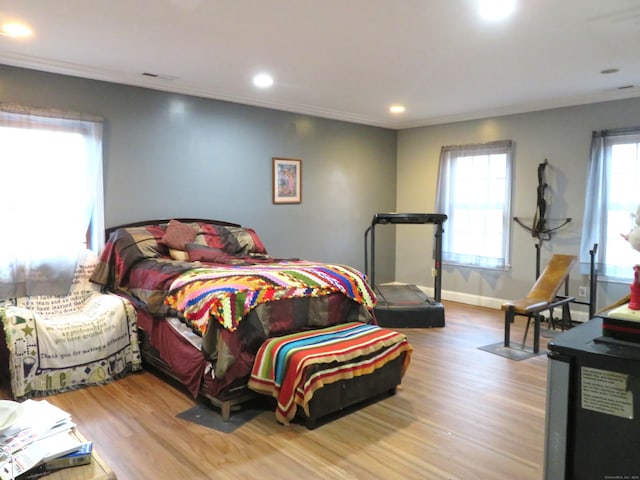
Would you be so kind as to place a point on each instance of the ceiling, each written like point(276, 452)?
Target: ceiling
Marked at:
point(343, 59)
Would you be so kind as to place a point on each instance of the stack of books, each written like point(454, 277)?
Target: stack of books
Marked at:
point(36, 437)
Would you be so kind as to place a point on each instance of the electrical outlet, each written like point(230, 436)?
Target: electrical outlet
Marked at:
point(583, 291)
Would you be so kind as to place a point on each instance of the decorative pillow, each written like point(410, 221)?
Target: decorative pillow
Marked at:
point(178, 234)
point(125, 248)
point(206, 254)
point(179, 255)
point(209, 235)
point(243, 241)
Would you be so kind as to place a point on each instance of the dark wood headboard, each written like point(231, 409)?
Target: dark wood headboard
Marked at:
point(143, 223)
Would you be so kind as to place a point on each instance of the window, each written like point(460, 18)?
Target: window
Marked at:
point(51, 194)
point(612, 199)
point(474, 191)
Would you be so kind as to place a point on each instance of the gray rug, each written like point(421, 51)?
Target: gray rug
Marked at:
point(210, 417)
point(516, 351)
point(513, 352)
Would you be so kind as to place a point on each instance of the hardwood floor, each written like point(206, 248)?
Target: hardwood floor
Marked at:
point(460, 413)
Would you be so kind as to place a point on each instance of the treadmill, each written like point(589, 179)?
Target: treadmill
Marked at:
point(406, 306)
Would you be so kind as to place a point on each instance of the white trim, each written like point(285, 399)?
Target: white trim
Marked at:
point(488, 302)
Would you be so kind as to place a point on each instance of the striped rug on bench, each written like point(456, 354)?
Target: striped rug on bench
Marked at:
point(355, 348)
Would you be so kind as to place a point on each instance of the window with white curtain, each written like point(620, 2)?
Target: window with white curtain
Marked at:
point(51, 195)
point(474, 191)
point(612, 198)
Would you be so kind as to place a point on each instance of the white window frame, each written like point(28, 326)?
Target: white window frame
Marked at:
point(474, 191)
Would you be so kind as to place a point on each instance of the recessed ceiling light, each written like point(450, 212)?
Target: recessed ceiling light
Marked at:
point(493, 10)
point(396, 109)
point(263, 80)
point(16, 30)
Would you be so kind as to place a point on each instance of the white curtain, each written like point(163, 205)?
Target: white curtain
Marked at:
point(594, 223)
point(474, 191)
point(611, 198)
point(50, 188)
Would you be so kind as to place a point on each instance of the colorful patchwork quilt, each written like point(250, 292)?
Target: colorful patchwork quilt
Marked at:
point(228, 294)
point(353, 348)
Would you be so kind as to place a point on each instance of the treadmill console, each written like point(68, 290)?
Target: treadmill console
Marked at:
point(417, 218)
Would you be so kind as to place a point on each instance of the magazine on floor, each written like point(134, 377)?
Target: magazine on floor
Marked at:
point(31, 433)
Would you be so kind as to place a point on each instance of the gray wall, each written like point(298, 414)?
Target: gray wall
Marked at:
point(169, 155)
point(562, 136)
point(172, 155)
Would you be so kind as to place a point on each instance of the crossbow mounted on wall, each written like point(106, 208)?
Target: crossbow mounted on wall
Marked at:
point(540, 228)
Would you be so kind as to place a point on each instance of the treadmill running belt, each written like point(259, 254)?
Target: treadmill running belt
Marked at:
point(406, 306)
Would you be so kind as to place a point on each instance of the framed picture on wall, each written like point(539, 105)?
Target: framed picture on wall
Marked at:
point(287, 180)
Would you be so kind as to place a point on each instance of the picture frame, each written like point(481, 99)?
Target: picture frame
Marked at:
point(287, 180)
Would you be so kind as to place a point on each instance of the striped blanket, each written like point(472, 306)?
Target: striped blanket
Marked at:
point(229, 293)
point(354, 349)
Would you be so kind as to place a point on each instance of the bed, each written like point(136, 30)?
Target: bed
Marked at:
point(207, 296)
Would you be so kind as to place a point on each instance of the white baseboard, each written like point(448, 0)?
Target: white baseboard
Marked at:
point(466, 298)
point(489, 302)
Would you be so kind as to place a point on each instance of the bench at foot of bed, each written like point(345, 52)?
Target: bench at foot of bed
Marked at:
point(343, 394)
point(320, 372)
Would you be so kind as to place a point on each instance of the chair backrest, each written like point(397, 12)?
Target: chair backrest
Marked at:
point(81, 289)
point(552, 277)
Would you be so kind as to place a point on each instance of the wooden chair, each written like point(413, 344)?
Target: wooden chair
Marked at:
point(58, 343)
point(542, 297)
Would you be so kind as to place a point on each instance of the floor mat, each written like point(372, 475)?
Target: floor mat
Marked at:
point(514, 352)
point(210, 417)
